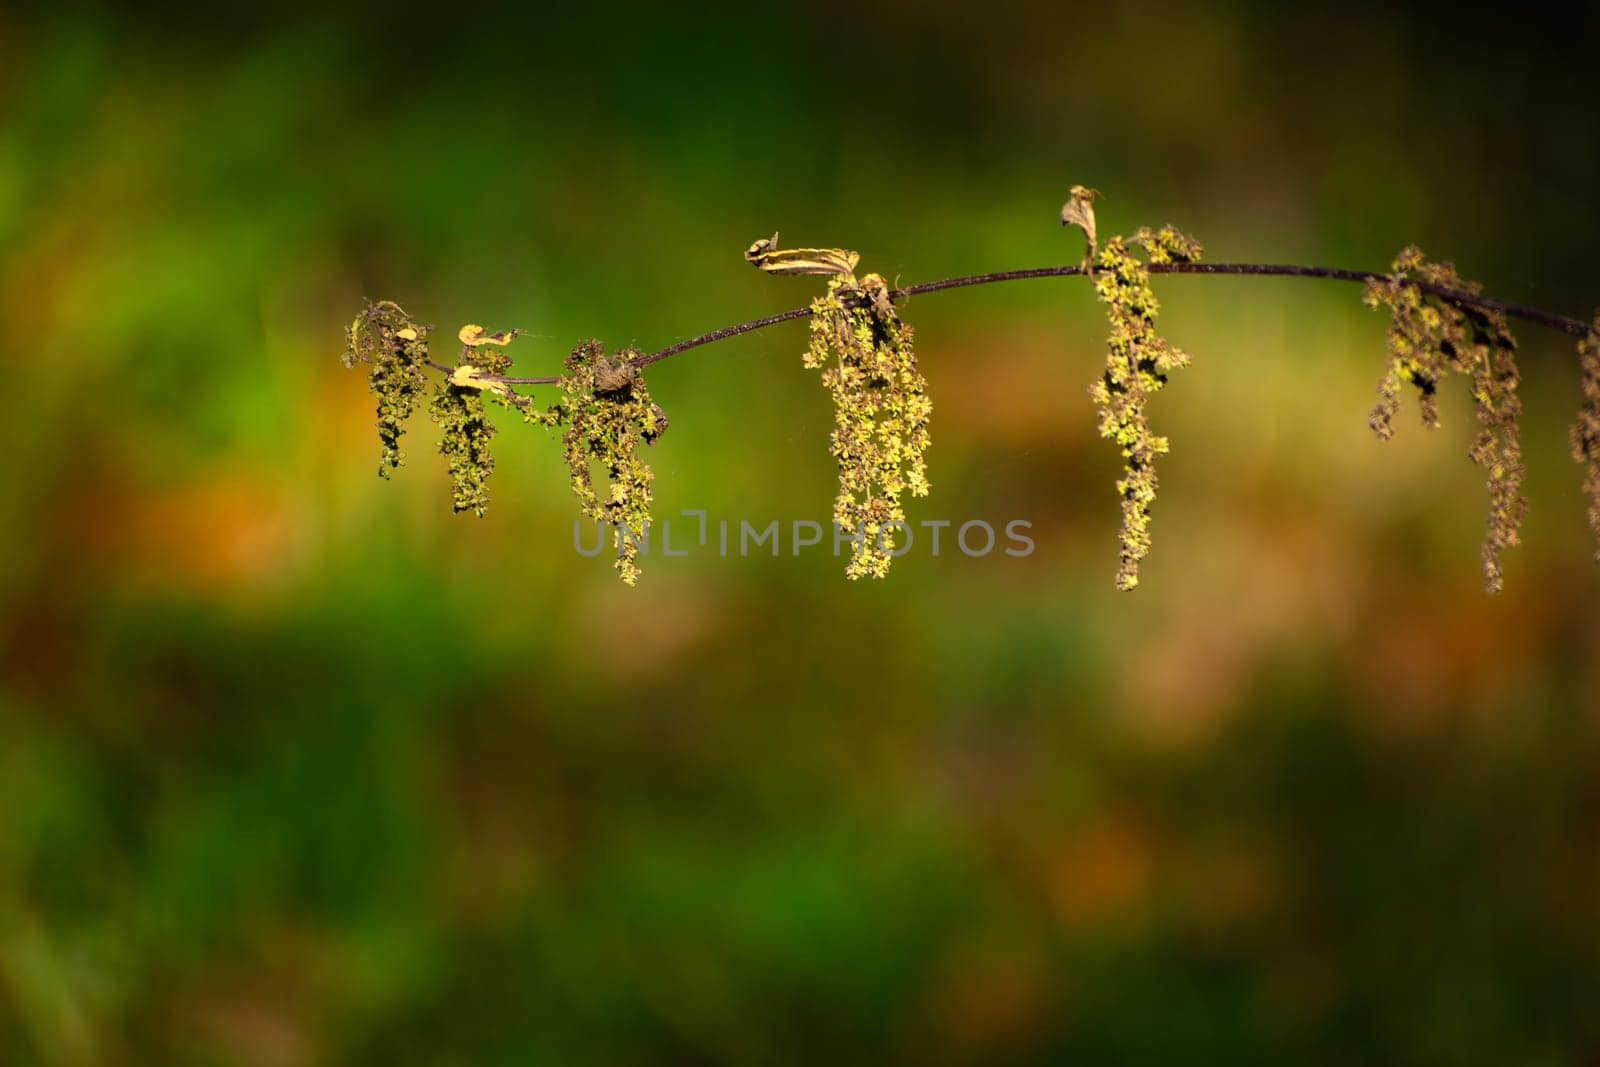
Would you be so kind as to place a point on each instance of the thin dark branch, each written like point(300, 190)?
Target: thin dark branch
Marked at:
point(1575, 327)
point(722, 334)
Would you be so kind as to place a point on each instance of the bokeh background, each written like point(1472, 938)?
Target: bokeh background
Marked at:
point(298, 768)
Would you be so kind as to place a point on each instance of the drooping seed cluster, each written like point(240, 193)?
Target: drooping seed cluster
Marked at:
point(881, 412)
point(384, 336)
point(1438, 327)
point(459, 410)
point(1431, 337)
point(1138, 361)
point(1585, 432)
point(608, 414)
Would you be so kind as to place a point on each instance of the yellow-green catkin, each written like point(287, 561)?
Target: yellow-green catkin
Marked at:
point(1585, 432)
point(1138, 361)
point(384, 336)
point(608, 414)
point(881, 413)
point(1431, 337)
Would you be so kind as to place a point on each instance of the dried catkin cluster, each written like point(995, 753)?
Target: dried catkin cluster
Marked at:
point(397, 348)
point(1137, 363)
point(1431, 337)
point(1585, 432)
point(608, 414)
point(881, 411)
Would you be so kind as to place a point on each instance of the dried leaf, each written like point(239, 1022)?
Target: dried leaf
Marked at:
point(1079, 211)
point(766, 255)
point(473, 335)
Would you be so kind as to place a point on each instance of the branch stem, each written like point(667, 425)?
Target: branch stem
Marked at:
point(1575, 327)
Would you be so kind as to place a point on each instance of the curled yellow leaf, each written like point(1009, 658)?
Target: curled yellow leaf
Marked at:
point(473, 335)
point(467, 376)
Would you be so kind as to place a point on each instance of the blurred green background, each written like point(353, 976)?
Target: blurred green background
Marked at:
point(298, 768)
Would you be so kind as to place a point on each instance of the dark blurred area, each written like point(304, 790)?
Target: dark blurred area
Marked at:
point(298, 768)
